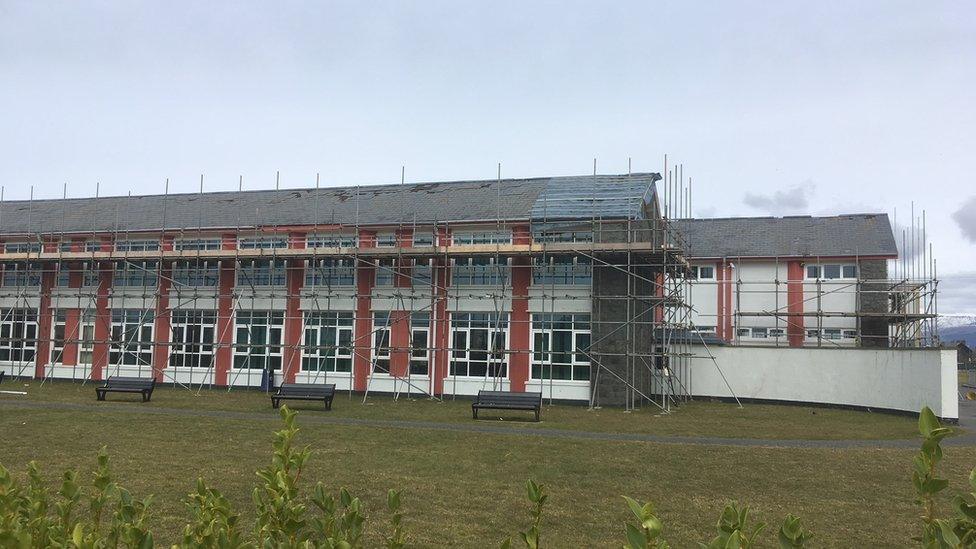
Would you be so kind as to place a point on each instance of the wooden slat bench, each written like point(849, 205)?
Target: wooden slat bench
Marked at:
point(304, 391)
point(142, 385)
point(505, 400)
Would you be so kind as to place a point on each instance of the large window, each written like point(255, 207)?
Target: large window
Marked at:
point(562, 270)
point(89, 274)
point(328, 342)
point(135, 273)
point(386, 240)
point(262, 242)
point(482, 237)
point(136, 245)
point(21, 274)
point(193, 338)
point(84, 337)
point(381, 342)
point(262, 272)
point(479, 271)
point(22, 247)
point(560, 343)
point(196, 273)
point(420, 274)
point(18, 335)
point(831, 272)
point(330, 272)
point(702, 272)
point(559, 235)
point(197, 244)
point(331, 241)
point(132, 337)
point(258, 342)
point(478, 342)
point(385, 272)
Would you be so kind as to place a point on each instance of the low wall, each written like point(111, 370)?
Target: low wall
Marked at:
point(891, 379)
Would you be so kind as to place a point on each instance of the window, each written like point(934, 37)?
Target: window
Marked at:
point(386, 240)
point(258, 342)
point(21, 274)
point(22, 247)
point(831, 272)
point(423, 239)
point(562, 270)
point(385, 272)
point(328, 342)
point(478, 342)
point(18, 335)
point(813, 334)
point(132, 337)
point(86, 245)
point(136, 245)
point(562, 236)
point(196, 273)
point(702, 272)
point(849, 334)
point(135, 273)
point(479, 271)
point(261, 272)
point(193, 244)
point(831, 333)
point(743, 332)
point(192, 338)
point(381, 342)
point(330, 272)
point(703, 329)
point(419, 344)
point(262, 242)
point(560, 343)
point(422, 272)
point(777, 332)
point(760, 333)
point(89, 274)
point(331, 241)
point(485, 237)
point(60, 336)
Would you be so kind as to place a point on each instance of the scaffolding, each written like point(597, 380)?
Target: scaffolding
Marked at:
point(589, 297)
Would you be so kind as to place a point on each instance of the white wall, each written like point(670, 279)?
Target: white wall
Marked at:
point(893, 379)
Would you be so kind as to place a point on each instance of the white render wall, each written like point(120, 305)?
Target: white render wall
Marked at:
point(892, 379)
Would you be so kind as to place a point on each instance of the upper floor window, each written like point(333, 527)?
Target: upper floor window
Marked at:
point(329, 240)
point(562, 270)
point(484, 237)
point(832, 271)
point(22, 247)
point(21, 274)
point(88, 271)
point(421, 239)
point(84, 245)
point(556, 235)
point(386, 240)
point(262, 242)
point(196, 273)
point(262, 272)
point(330, 272)
point(385, 272)
point(479, 271)
point(135, 273)
point(144, 245)
point(191, 244)
point(702, 272)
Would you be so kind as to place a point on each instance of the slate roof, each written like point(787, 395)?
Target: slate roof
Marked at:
point(571, 197)
point(798, 236)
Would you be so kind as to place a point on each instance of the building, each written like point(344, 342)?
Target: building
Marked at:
point(580, 287)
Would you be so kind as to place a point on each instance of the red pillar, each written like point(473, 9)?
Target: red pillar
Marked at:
point(400, 319)
point(225, 313)
point(42, 355)
point(794, 304)
point(520, 323)
point(72, 317)
point(440, 320)
point(294, 325)
point(162, 323)
point(103, 315)
point(363, 339)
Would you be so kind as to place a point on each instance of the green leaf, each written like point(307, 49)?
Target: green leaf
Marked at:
point(635, 537)
point(927, 422)
point(635, 507)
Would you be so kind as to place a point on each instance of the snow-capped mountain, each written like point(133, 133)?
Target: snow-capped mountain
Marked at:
point(958, 327)
point(956, 320)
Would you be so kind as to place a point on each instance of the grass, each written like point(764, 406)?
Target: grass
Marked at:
point(695, 419)
point(466, 489)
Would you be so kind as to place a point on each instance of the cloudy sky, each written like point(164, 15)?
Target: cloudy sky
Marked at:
point(774, 108)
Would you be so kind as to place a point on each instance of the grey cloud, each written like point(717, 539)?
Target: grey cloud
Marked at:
point(965, 217)
point(790, 201)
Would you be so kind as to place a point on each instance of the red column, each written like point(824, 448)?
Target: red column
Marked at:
point(363, 339)
point(440, 320)
point(400, 319)
point(103, 315)
point(43, 353)
point(794, 304)
point(72, 317)
point(294, 325)
point(162, 324)
point(520, 323)
point(225, 313)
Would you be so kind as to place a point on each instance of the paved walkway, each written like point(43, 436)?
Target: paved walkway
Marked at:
point(967, 412)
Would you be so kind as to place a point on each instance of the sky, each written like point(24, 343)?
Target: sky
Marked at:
point(772, 108)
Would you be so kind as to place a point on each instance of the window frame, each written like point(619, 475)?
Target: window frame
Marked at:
point(544, 327)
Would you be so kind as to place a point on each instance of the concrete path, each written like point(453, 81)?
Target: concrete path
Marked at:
point(967, 412)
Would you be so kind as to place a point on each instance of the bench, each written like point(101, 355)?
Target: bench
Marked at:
point(504, 400)
point(304, 391)
point(143, 385)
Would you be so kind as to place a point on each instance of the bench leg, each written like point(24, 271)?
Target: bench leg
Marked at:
point(274, 403)
point(328, 405)
point(474, 413)
point(537, 415)
point(100, 395)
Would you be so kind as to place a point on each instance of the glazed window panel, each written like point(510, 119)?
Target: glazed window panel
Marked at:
point(327, 344)
point(381, 342)
point(562, 270)
point(479, 342)
point(258, 339)
point(261, 272)
point(192, 338)
point(479, 271)
point(18, 335)
point(560, 343)
point(330, 272)
point(196, 273)
point(131, 340)
point(23, 275)
point(135, 274)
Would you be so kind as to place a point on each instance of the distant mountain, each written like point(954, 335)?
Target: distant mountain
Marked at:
point(958, 328)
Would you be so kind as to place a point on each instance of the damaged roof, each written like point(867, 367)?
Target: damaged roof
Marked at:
point(794, 236)
point(570, 197)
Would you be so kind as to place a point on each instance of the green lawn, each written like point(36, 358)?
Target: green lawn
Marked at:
point(698, 418)
point(466, 489)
